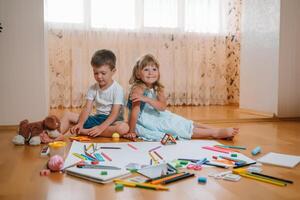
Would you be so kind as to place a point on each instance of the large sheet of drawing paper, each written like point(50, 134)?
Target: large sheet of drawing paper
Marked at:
point(191, 149)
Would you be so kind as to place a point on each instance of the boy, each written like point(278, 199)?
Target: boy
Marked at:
point(108, 96)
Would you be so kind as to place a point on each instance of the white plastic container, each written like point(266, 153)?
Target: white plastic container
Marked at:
point(57, 148)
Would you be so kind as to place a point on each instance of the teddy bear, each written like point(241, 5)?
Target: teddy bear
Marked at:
point(34, 133)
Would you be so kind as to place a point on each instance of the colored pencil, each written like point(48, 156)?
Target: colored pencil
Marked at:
point(133, 147)
point(158, 155)
point(233, 159)
point(87, 157)
point(232, 147)
point(163, 176)
point(155, 148)
point(79, 156)
point(153, 158)
point(106, 156)
point(187, 159)
point(215, 149)
point(244, 173)
point(184, 176)
point(263, 179)
point(226, 148)
point(158, 181)
point(91, 145)
point(110, 147)
point(88, 166)
point(272, 177)
point(141, 185)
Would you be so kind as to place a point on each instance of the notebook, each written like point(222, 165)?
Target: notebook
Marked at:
point(283, 160)
point(92, 174)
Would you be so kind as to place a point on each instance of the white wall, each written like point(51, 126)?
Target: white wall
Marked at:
point(289, 59)
point(259, 55)
point(23, 73)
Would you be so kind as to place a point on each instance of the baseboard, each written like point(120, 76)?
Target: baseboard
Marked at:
point(9, 127)
point(255, 112)
point(249, 120)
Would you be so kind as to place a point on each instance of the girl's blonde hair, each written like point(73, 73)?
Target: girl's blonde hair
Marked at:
point(141, 63)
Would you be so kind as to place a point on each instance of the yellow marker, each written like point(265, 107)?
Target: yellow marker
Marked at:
point(141, 185)
point(243, 172)
point(79, 156)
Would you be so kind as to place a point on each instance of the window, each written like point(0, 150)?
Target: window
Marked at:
point(203, 16)
point(159, 13)
point(113, 14)
point(64, 11)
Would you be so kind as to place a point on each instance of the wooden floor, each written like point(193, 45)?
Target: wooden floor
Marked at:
point(20, 165)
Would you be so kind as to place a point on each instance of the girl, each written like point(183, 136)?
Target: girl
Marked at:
point(148, 117)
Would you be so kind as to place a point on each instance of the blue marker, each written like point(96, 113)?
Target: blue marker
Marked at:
point(256, 151)
point(99, 157)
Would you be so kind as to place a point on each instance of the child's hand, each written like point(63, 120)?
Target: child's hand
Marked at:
point(130, 136)
point(95, 131)
point(138, 97)
point(76, 129)
point(45, 138)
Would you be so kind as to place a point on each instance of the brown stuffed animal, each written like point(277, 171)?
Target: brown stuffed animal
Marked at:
point(31, 132)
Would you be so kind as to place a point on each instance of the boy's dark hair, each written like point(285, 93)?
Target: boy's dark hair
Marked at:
point(104, 57)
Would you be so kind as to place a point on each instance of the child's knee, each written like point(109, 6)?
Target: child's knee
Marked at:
point(122, 128)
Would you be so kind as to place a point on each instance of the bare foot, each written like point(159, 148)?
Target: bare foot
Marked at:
point(226, 133)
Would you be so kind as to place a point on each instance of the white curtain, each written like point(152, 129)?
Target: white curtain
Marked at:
point(198, 51)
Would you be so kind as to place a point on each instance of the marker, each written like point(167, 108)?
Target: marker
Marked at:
point(184, 176)
point(106, 156)
point(110, 147)
point(243, 165)
point(99, 157)
point(133, 147)
point(155, 148)
point(141, 185)
point(215, 165)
